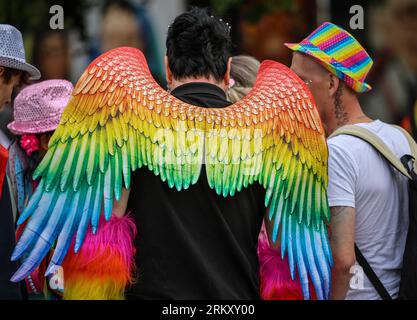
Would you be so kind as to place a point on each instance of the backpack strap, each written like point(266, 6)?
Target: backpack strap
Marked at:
point(413, 148)
point(401, 166)
point(378, 144)
point(370, 273)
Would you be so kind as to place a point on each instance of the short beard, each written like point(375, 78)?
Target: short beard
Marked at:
point(339, 110)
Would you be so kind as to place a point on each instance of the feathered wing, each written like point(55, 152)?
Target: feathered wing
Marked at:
point(274, 136)
point(117, 121)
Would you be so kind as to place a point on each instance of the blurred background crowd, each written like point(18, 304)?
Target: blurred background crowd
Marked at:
point(259, 29)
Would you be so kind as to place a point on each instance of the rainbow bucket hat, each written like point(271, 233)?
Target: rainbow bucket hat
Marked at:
point(339, 52)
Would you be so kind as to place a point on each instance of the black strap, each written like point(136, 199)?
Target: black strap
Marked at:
point(405, 160)
point(371, 275)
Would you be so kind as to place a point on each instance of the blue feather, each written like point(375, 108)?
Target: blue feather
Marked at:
point(98, 199)
point(35, 224)
point(85, 219)
point(45, 238)
point(311, 263)
point(33, 203)
point(108, 189)
point(290, 245)
point(72, 220)
point(302, 272)
point(321, 261)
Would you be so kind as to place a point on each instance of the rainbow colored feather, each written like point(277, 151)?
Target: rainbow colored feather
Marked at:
point(120, 120)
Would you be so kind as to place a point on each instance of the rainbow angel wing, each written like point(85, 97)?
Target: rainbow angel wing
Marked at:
point(274, 136)
point(117, 121)
point(120, 120)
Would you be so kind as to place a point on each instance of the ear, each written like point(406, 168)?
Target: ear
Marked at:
point(334, 83)
point(1, 71)
point(227, 74)
point(168, 73)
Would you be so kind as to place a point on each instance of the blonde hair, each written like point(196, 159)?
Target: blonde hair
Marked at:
point(243, 71)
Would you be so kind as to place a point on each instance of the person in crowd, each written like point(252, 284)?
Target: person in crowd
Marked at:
point(14, 71)
point(37, 112)
point(125, 23)
point(50, 53)
point(368, 199)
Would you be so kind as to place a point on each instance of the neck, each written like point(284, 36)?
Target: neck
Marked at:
point(346, 111)
point(176, 83)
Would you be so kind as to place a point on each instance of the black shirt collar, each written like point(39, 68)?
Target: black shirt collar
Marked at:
point(201, 94)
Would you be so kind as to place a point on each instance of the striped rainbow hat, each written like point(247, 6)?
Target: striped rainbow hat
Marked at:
point(339, 52)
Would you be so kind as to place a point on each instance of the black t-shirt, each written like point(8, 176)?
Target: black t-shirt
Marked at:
point(194, 244)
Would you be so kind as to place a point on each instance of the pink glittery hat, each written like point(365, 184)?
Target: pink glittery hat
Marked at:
point(38, 107)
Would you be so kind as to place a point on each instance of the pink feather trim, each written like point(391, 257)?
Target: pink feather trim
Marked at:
point(274, 273)
point(105, 264)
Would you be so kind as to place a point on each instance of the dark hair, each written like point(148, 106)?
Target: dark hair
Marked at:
point(9, 73)
point(198, 45)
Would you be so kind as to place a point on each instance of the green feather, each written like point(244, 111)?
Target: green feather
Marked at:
point(218, 177)
point(325, 204)
point(92, 165)
point(70, 163)
point(240, 176)
point(302, 197)
point(297, 185)
point(234, 178)
point(309, 195)
point(55, 167)
point(110, 137)
point(272, 188)
point(245, 173)
point(81, 165)
point(291, 178)
point(132, 150)
point(43, 166)
point(278, 190)
point(177, 173)
point(142, 143)
point(149, 160)
point(118, 174)
point(210, 171)
point(266, 168)
point(169, 168)
point(126, 165)
point(104, 151)
point(317, 205)
point(226, 179)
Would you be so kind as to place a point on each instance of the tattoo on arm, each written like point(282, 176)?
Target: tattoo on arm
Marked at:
point(341, 219)
point(337, 211)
